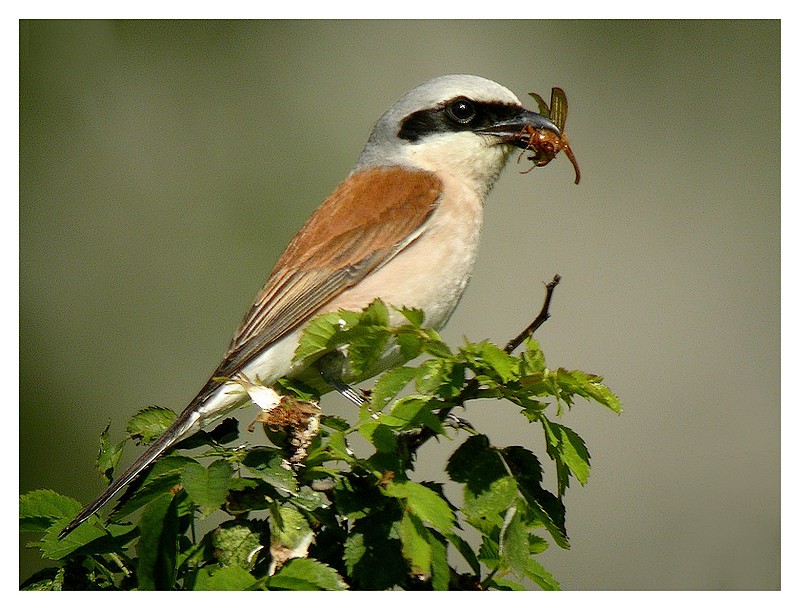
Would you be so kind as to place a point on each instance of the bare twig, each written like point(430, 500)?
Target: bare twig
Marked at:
point(540, 319)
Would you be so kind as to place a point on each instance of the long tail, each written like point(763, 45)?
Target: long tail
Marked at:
point(199, 413)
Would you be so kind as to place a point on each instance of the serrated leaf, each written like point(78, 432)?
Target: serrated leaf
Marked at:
point(536, 572)
point(237, 544)
point(43, 507)
point(229, 578)
point(49, 579)
point(380, 435)
point(373, 542)
point(334, 423)
point(488, 356)
point(148, 424)
point(366, 347)
point(570, 449)
point(532, 358)
point(587, 386)
point(466, 551)
point(550, 514)
point(336, 446)
point(109, 455)
point(389, 385)
point(502, 584)
point(267, 464)
point(310, 500)
point(475, 463)
point(490, 504)
point(413, 411)
point(440, 569)
point(514, 541)
point(319, 335)
point(45, 511)
point(289, 528)
point(207, 487)
point(424, 502)
point(226, 431)
point(434, 345)
point(157, 548)
point(416, 545)
point(414, 316)
point(441, 376)
point(375, 314)
point(163, 478)
point(305, 574)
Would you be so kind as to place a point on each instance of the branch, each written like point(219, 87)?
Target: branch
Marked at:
point(540, 319)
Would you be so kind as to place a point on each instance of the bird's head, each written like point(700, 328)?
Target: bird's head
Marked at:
point(459, 124)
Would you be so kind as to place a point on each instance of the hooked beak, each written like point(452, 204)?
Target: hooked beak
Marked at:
point(513, 130)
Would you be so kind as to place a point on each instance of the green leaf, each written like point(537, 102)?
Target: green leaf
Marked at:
point(466, 551)
point(489, 357)
point(380, 435)
point(423, 502)
point(532, 359)
point(163, 478)
point(526, 470)
point(336, 446)
point(489, 505)
point(207, 488)
point(570, 448)
point(109, 455)
point(415, 317)
point(415, 541)
point(476, 463)
point(267, 464)
point(375, 314)
point(587, 386)
point(55, 549)
point(305, 574)
point(441, 376)
point(229, 578)
point(158, 545)
point(148, 424)
point(513, 539)
point(440, 569)
point(289, 528)
point(321, 333)
point(413, 411)
point(373, 542)
point(434, 345)
point(389, 385)
point(501, 584)
point(237, 544)
point(366, 347)
point(536, 572)
point(40, 509)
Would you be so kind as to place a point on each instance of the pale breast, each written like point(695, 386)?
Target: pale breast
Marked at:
point(432, 272)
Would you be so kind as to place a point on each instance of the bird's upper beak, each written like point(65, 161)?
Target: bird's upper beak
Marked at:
point(516, 130)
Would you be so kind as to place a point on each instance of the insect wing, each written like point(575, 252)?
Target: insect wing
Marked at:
point(543, 109)
point(558, 108)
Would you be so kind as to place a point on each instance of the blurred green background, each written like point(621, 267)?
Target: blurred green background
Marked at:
point(164, 166)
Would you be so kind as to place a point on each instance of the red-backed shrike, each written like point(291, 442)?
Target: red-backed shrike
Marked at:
point(402, 227)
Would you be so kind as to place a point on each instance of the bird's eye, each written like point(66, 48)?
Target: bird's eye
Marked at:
point(462, 110)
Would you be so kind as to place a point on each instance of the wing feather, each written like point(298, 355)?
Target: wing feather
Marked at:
point(366, 221)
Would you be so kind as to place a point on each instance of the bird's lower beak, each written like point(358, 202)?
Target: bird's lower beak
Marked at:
point(517, 130)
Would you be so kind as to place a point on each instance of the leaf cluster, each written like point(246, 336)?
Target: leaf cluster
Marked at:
point(336, 519)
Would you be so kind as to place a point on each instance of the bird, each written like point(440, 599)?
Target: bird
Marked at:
point(402, 227)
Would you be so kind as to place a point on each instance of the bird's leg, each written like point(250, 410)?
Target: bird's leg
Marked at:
point(330, 367)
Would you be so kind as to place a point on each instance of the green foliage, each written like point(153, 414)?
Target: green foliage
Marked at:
point(328, 518)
